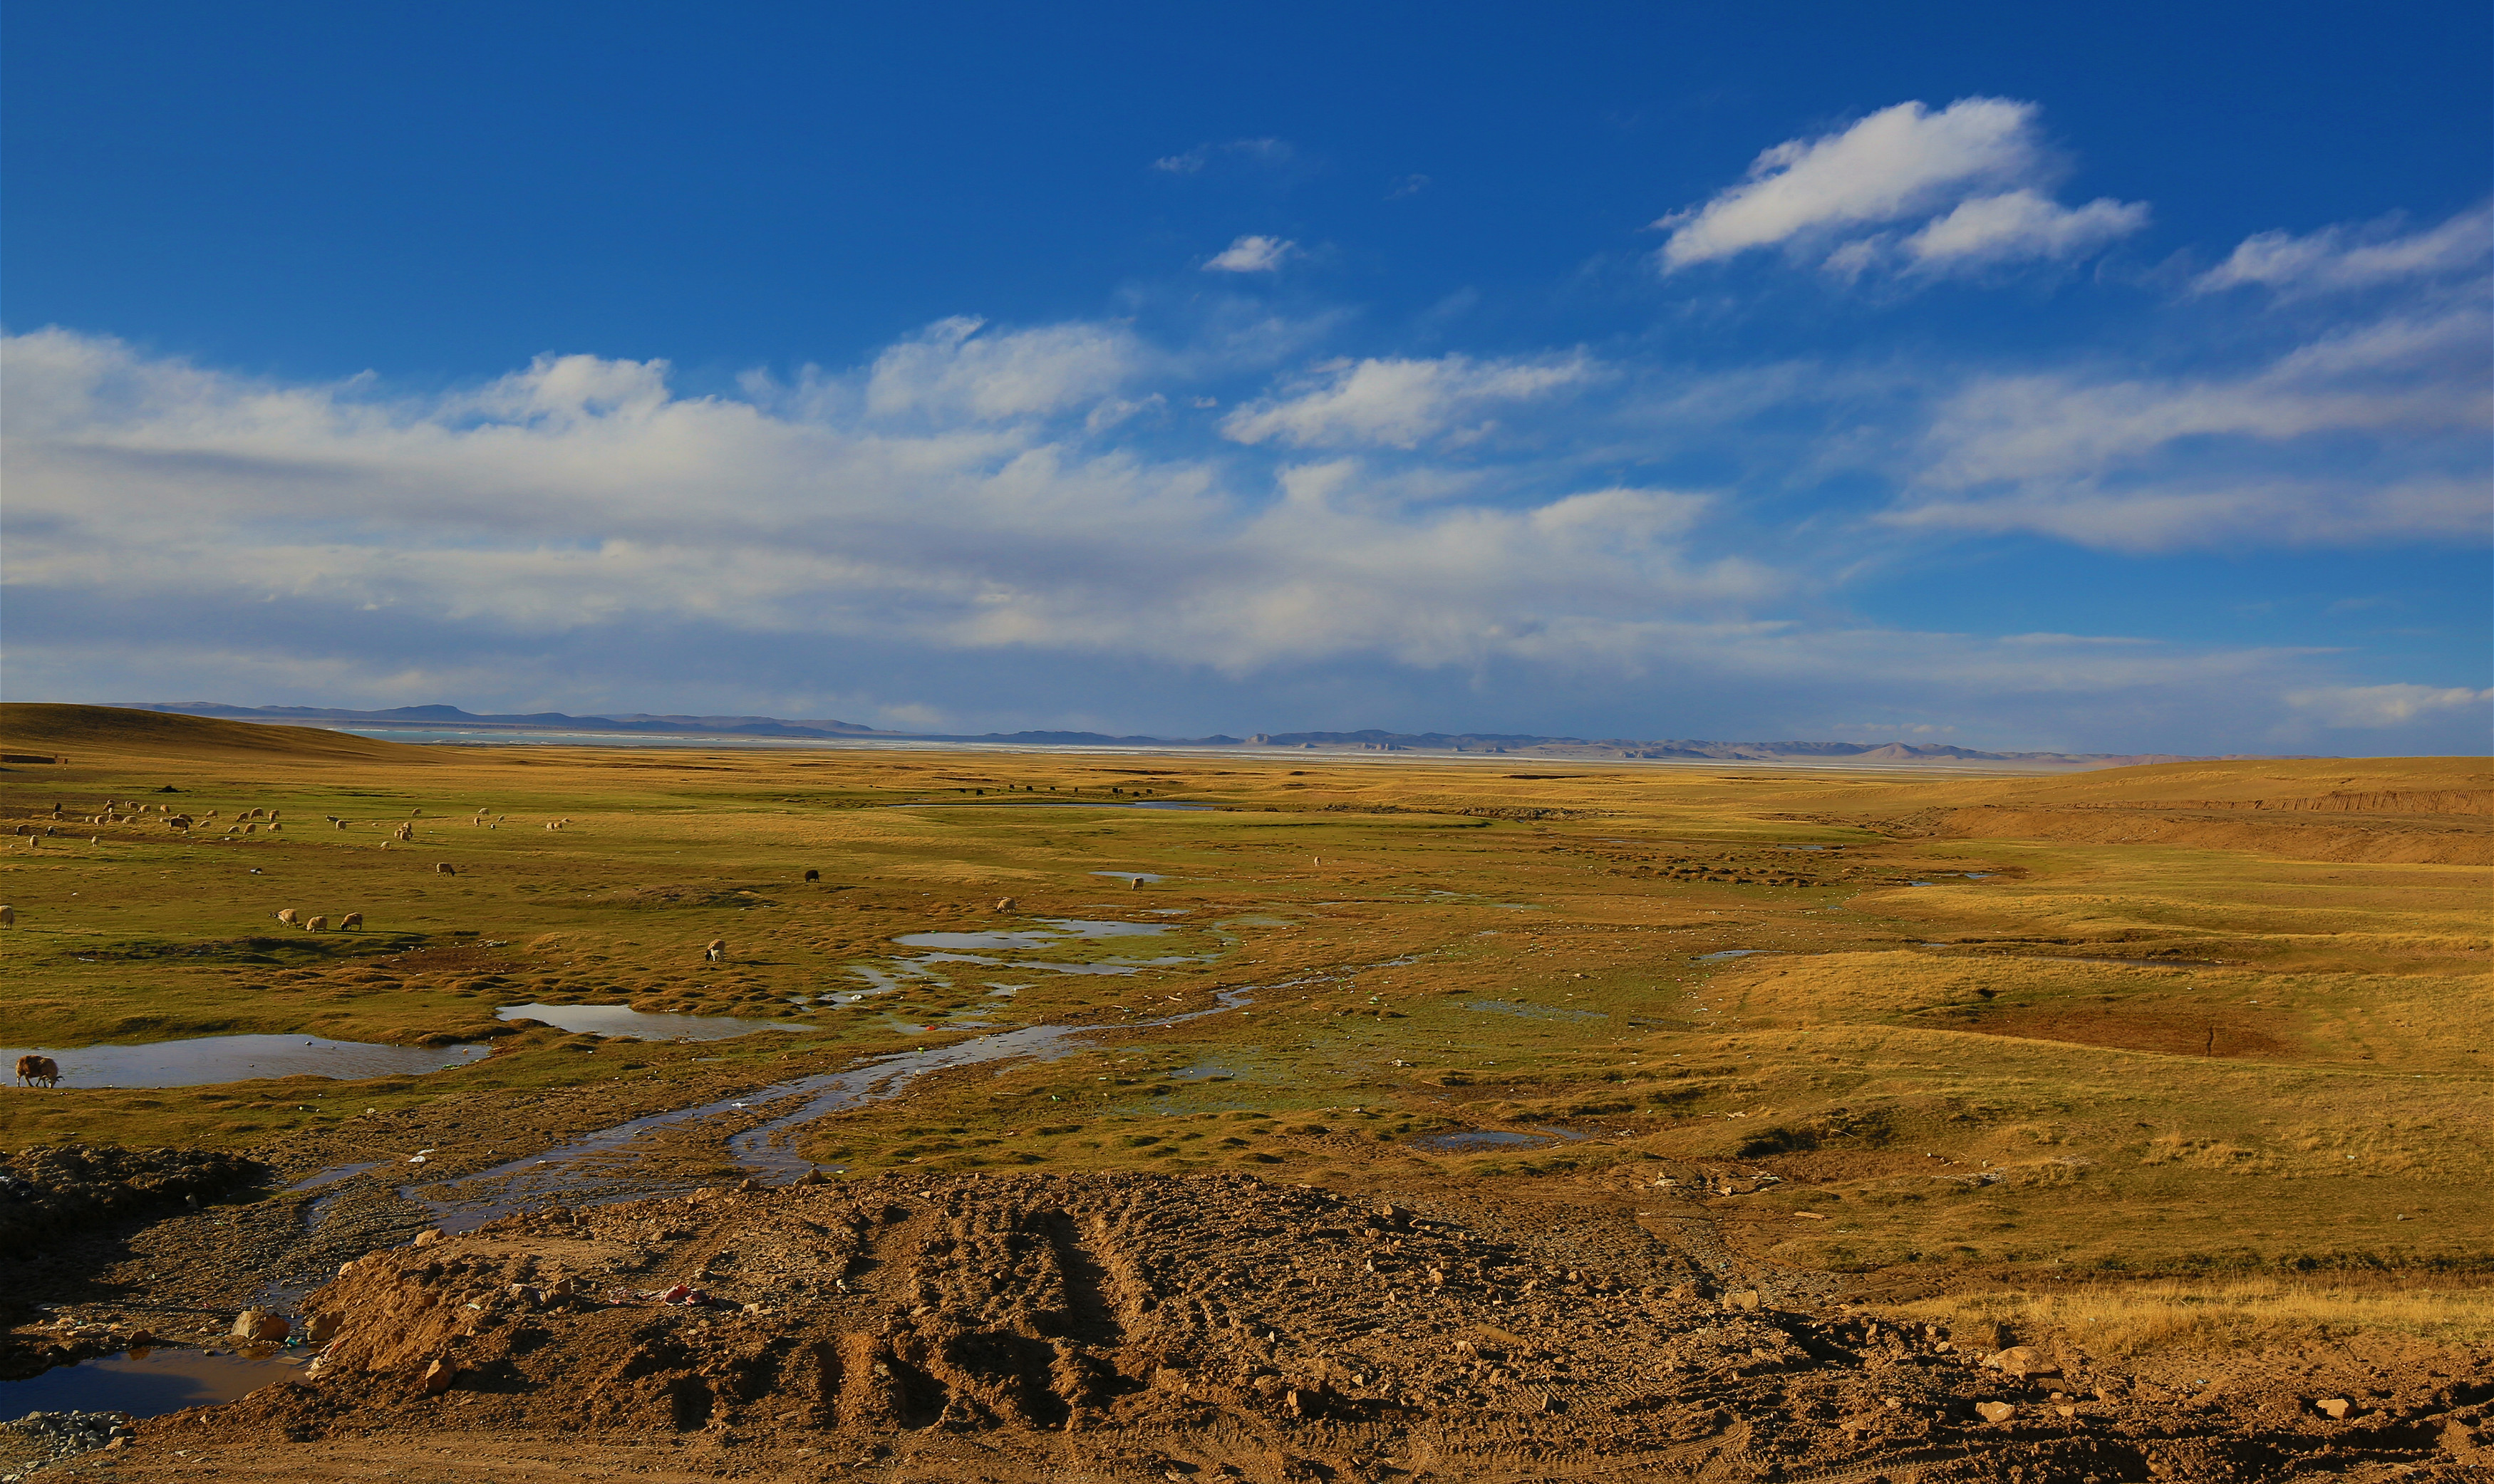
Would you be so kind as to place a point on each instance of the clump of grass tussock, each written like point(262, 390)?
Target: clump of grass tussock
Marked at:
point(2145, 1320)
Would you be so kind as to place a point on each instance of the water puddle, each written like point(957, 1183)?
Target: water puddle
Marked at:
point(603, 1166)
point(146, 1384)
point(1051, 934)
point(207, 1059)
point(1130, 875)
point(1730, 953)
point(636, 1025)
point(329, 1176)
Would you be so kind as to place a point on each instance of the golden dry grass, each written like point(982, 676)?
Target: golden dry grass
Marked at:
point(1955, 1078)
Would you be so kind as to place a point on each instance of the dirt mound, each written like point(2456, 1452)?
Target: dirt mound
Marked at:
point(1128, 1326)
point(111, 729)
point(47, 1191)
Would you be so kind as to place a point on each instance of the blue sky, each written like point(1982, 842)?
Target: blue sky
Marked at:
point(2111, 379)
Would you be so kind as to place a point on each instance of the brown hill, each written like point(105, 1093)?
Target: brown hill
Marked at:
point(79, 732)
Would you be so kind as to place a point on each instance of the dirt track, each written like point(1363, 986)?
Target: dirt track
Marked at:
point(1146, 1328)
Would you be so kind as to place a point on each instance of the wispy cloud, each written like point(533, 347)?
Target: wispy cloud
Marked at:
point(1401, 403)
point(2341, 258)
point(2375, 706)
point(1973, 173)
point(1258, 151)
point(1253, 255)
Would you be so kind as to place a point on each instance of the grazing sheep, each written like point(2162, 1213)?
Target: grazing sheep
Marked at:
point(287, 916)
point(445, 869)
point(353, 920)
point(316, 924)
point(7, 916)
point(716, 952)
point(33, 1068)
point(814, 875)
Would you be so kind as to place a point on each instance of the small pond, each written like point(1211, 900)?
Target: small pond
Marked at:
point(205, 1059)
point(637, 1025)
point(1054, 930)
point(146, 1384)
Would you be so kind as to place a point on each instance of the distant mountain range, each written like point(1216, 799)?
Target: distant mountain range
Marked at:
point(1370, 741)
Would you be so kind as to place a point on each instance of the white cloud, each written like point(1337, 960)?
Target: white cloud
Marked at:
point(1971, 170)
point(945, 504)
point(2385, 705)
point(1400, 403)
point(2021, 224)
point(1253, 255)
point(2338, 259)
point(2375, 429)
point(951, 369)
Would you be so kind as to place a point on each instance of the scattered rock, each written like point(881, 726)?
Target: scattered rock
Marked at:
point(2023, 1361)
point(428, 1238)
point(1995, 1412)
point(438, 1376)
point(261, 1326)
point(2335, 1408)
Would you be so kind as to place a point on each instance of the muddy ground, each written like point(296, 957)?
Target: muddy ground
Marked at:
point(1127, 1326)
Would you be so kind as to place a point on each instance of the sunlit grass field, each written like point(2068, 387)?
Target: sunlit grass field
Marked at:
point(2141, 1087)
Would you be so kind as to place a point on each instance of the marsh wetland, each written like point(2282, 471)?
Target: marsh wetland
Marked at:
point(1364, 1118)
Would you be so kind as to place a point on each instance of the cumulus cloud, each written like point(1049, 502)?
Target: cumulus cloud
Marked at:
point(1973, 170)
point(950, 501)
point(1400, 403)
point(2373, 706)
point(2341, 258)
point(1253, 255)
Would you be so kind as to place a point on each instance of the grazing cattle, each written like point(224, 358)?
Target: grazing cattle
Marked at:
point(716, 952)
point(7, 916)
point(814, 875)
point(287, 916)
point(354, 920)
point(446, 868)
point(316, 924)
point(32, 1069)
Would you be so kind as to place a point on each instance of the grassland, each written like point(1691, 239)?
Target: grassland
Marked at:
point(1989, 1040)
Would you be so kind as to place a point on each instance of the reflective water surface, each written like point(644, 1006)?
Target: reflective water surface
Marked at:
point(146, 1384)
point(638, 1025)
point(205, 1059)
